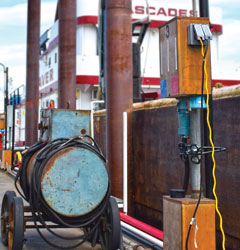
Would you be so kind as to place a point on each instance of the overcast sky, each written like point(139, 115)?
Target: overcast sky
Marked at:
point(13, 14)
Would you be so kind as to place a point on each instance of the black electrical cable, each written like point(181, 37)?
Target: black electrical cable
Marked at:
point(41, 212)
point(186, 174)
point(36, 199)
point(201, 119)
point(21, 175)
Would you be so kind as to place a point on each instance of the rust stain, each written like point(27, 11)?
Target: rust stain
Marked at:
point(83, 131)
point(52, 160)
point(29, 166)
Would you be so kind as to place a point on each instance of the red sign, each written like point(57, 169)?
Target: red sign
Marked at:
point(172, 12)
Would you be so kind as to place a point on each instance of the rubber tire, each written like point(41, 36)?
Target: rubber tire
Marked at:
point(110, 240)
point(17, 213)
point(6, 206)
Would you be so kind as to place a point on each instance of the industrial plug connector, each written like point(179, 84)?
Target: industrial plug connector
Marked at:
point(198, 31)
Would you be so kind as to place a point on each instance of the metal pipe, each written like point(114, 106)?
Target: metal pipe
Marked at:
point(138, 238)
point(5, 108)
point(204, 8)
point(119, 84)
point(204, 12)
point(32, 87)
point(93, 103)
point(148, 237)
point(156, 233)
point(67, 54)
point(194, 4)
point(5, 69)
point(195, 134)
point(125, 163)
point(13, 127)
point(208, 158)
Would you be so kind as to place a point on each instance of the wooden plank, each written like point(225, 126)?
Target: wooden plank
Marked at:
point(190, 60)
point(172, 225)
point(205, 237)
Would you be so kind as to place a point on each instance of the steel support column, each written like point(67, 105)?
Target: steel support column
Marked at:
point(67, 54)
point(119, 84)
point(32, 88)
point(204, 8)
point(195, 121)
point(204, 12)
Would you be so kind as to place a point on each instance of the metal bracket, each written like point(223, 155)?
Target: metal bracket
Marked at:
point(143, 23)
point(195, 152)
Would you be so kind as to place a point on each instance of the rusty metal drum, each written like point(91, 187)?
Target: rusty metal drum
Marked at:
point(74, 181)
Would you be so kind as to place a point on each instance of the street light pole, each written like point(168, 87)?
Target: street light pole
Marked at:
point(5, 69)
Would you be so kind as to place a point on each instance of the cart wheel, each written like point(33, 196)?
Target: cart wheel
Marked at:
point(110, 230)
point(6, 206)
point(16, 225)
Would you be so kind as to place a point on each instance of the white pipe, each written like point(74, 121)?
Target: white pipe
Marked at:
point(194, 4)
point(125, 163)
point(148, 237)
point(148, 10)
point(93, 103)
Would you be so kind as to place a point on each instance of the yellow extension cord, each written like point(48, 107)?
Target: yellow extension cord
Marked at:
point(213, 150)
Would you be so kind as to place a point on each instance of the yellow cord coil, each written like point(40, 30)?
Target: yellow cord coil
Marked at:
point(213, 150)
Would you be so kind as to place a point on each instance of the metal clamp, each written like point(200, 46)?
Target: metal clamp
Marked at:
point(195, 152)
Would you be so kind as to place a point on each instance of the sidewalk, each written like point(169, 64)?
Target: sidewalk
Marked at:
point(33, 241)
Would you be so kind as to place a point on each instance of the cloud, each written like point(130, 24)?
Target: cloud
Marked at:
point(230, 40)
point(17, 15)
point(48, 10)
point(14, 57)
point(14, 15)
point(220, 2)
point(13, 21)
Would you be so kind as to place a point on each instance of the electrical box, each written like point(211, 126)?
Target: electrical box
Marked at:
point(63, 123)
point(6, 159)
point(181, 63)
point(177, 215)
point(2, 120)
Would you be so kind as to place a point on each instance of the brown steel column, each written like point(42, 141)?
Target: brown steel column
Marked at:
point(67, 54)
point(32, 91)
point(119, 84)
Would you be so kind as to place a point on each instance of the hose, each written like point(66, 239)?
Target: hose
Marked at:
point(186, 175)
point(21, 176)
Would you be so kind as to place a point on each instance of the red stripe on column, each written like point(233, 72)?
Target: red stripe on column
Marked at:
point(87, 20)
point(217, 28)
point(84, 79)
point(87, 79)
point(151, 81)
point(220, 83)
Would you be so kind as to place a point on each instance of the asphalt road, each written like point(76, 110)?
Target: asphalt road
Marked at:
point(32, 239)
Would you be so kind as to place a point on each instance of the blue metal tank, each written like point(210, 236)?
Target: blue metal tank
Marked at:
point(74, 181)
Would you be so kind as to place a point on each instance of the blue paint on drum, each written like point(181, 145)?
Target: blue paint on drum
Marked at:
point(61, 123)
point(69, 124)
point(75, 183)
